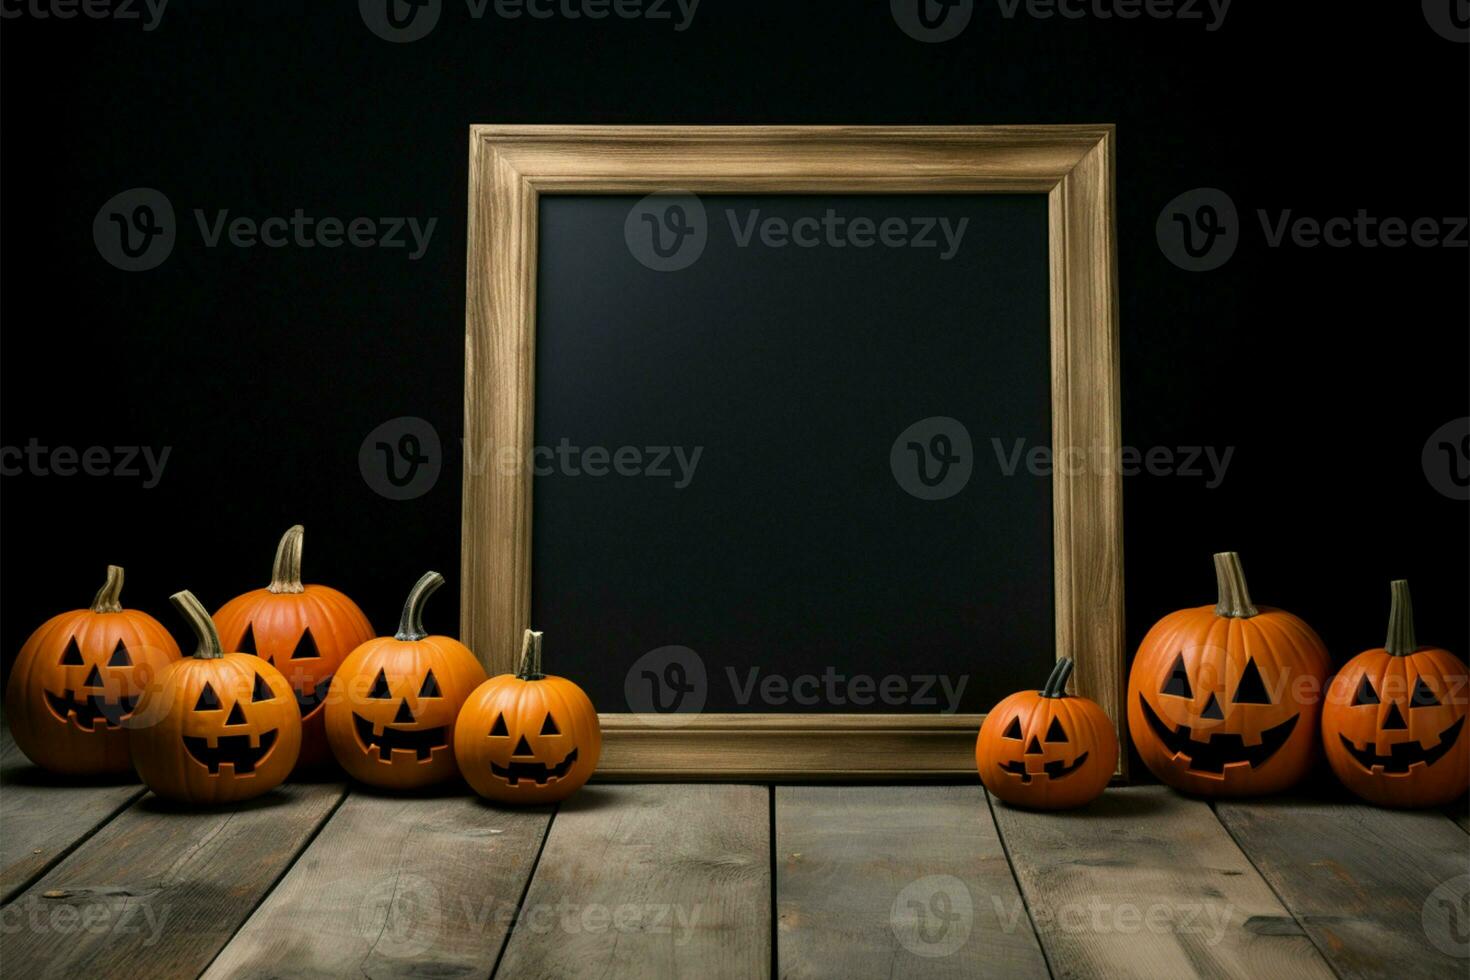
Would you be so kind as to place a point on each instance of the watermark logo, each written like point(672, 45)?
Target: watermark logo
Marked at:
point(932, 917)
point(400, 21)
point(148, 13)
point(135, 230)
point(60, 913)
point(1449, 18)
point(1206, 463)
point(1211, 13)
point(404, 911)
point(401, 458)
point(667, 231)
point(834, 689)
point(1199, 230)
point(932, 21)
point(674, 463)
point(667, 687)
point(144, 463)
point(1446, 459)
point(933, 458)
point(1446, 917)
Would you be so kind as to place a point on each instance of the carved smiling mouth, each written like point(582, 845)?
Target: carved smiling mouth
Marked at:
point(1053, 770)
point(231, 750)
point(422, 742)
point(1402, 755)
point(89, 710)
point(538, 772)
point(1221, 749)
point(312, 700)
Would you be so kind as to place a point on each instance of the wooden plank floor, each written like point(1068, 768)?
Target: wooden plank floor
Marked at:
point(692, 880)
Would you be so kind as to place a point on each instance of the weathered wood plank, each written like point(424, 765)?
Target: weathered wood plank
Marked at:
point(394, 887)
point(44, 816)
point(1460, 813)
point(1147, 883)
point(158, 890)
point(884, 881)
point(1383, 893)
point(649, 881)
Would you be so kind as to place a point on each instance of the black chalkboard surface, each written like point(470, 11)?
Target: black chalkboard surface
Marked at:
point(801, 458)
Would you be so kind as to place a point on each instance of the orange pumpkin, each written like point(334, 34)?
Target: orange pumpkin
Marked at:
point(217, 727)
point(391, 707)
point(78, 679)
point(1046, 749)
point(1225, 700)
point(527, 737)
point(305, 631)
point(1394, 722)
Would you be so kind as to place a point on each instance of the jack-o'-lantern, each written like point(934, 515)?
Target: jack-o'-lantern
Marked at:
point(391, 707)
point(1225, 700)
point(77, 682)
point(218, 727)
point(1046, 749)
point(527, 737)
point(1394, 722)
point(305, 631)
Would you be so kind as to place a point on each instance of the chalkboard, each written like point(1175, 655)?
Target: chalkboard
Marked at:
point(735, 455)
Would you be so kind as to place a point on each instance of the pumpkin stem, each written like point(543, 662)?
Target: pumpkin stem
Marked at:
point(109, 597)
point(1235, 598)
point(209, 646)
point(286, 572)
point(1401, 640)
point(411, 623)
point(530, 668)
point(1056, 685)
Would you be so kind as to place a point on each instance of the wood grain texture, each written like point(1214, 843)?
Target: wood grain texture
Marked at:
point(159, 889)
point(1460, 813)
point(42, 817)
point(1363, 881)
point(394, 887)
point(884, 881)
point(647, 882)
point(1147, 883)
point(510, 166)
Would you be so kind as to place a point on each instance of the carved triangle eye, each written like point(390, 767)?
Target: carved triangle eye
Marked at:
point(1365, 693)
point(548, 727)
point(1013, 730)
point(1422, 697)
point(430, 687)
point(120, 656)
point(306, 646)
point(72, 655)
point(380, 687)
point(247, 642)
point(208, 700)
point(1054, 733)
point(262, 691)
point(499, 727)
point(1177, 683)
point(1251, 689)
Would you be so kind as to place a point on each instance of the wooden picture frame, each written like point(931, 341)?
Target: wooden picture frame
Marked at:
point(511, 166)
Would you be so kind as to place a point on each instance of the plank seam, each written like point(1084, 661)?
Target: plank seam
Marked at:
point(66, 852)
point(515, 922)
point(775, 909)
point(1005, 849)
point(1321, 954)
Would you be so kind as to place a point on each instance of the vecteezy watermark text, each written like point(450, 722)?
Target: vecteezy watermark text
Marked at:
point(1203, 462)
point(402, 21)
point(567, 459)
point(35, 459)
point(146, 13)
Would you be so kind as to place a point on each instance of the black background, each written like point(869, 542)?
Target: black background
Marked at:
point(1327, 369)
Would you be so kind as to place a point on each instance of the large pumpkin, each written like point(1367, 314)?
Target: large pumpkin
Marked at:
point(391, 707)
point(305, 631)
point(1225, 700)
point(77, 681)
point(217, 727)
point(527, 737)
point(1394, 722)
point(1045, 749)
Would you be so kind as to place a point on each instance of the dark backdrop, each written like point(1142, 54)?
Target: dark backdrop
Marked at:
point(264, 369)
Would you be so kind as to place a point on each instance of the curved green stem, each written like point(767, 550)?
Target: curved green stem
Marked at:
point(1056, 685)
point(209, 646)
point(530, 668)
point(286, 572)
point(1235, 598)
point(1401, 640)
point(109, 597)
point(411, 623)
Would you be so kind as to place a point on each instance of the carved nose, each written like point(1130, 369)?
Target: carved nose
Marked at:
point(1033, 747)
point(522, 748)
point(1394, 720)
point(94, 679)
point(1212, 709)
point(405, 715)
point(237, 717)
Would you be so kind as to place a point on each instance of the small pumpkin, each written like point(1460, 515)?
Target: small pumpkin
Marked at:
point(222, 727)
point(1394, 722)
point(527, 737)
point(1225, 700)
point(391, 707)
point(77, 681)
point(305, 631)
point(1046, 749)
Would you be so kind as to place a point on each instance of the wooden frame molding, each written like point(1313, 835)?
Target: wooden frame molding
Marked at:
point(511, 166)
